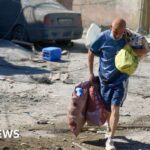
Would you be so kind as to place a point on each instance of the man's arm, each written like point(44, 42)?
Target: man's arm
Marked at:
point(90, 65)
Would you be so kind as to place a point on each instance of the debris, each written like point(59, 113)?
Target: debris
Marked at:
point(37, 59)
point(41, 79)
point(58, 76)
point(2, 78)
point(64, 52)
point(52, 123)
point(68, 81)
point(28, 113)
point(9, 79)
point(24, 59)
point(42, 122)
point(65, 140)
point(11, 86)
point(64, 76)
point(125, 114)
point(146, 96)
point(31, 97)
point(5, 148)
point(25, 145)
point(44, 66)
point(40, 137)
point(23, 95)
point(79, 146)
point(101, 132)
point(36, 100)
point(59, 148)
point(92, 129)
point(33, 130)
point(54, 77)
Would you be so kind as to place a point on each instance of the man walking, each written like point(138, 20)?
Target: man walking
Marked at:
point(113, 82)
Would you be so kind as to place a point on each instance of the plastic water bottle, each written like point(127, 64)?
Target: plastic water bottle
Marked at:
point(79, 91)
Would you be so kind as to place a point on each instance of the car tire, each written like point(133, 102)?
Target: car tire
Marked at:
point(19, 33)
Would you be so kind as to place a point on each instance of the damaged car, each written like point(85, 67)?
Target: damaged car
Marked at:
point(38, 21)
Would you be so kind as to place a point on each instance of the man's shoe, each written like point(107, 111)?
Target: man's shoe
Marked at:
point(110, 144)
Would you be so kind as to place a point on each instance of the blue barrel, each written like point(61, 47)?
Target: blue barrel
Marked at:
point(51, 53)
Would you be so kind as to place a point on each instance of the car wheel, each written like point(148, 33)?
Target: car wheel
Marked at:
point(19, 33)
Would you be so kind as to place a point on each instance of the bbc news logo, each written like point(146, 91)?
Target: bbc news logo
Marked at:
point(9, 134)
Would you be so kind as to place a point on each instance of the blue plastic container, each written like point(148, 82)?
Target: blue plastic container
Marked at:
point(51, 53)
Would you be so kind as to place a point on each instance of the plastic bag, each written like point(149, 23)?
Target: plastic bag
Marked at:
point(92, 34)
point(133, 38)
point(126, 60)
point(96, 113)
point(77, 109)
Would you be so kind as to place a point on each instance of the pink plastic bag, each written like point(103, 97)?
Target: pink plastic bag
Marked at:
point(77, 109)
point(96, 113)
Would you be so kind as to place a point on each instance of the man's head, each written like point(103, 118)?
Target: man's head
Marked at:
point(118, 28)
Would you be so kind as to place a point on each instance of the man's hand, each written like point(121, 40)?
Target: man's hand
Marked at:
point(91, 78)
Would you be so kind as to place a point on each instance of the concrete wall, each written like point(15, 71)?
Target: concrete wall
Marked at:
point(104, 11)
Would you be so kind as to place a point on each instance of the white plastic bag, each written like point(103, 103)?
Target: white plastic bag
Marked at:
point(92, 34)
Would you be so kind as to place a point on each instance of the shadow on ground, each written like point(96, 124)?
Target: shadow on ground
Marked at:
point(124, 144)
point(8, 69)
point(79, 48)
point(76, 46)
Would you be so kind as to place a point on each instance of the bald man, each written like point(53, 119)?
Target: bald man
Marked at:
point(113, 82)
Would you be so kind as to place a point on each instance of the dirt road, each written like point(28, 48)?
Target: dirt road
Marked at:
point(34, 97)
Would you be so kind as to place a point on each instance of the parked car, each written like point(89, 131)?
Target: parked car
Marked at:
point(38, 20)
